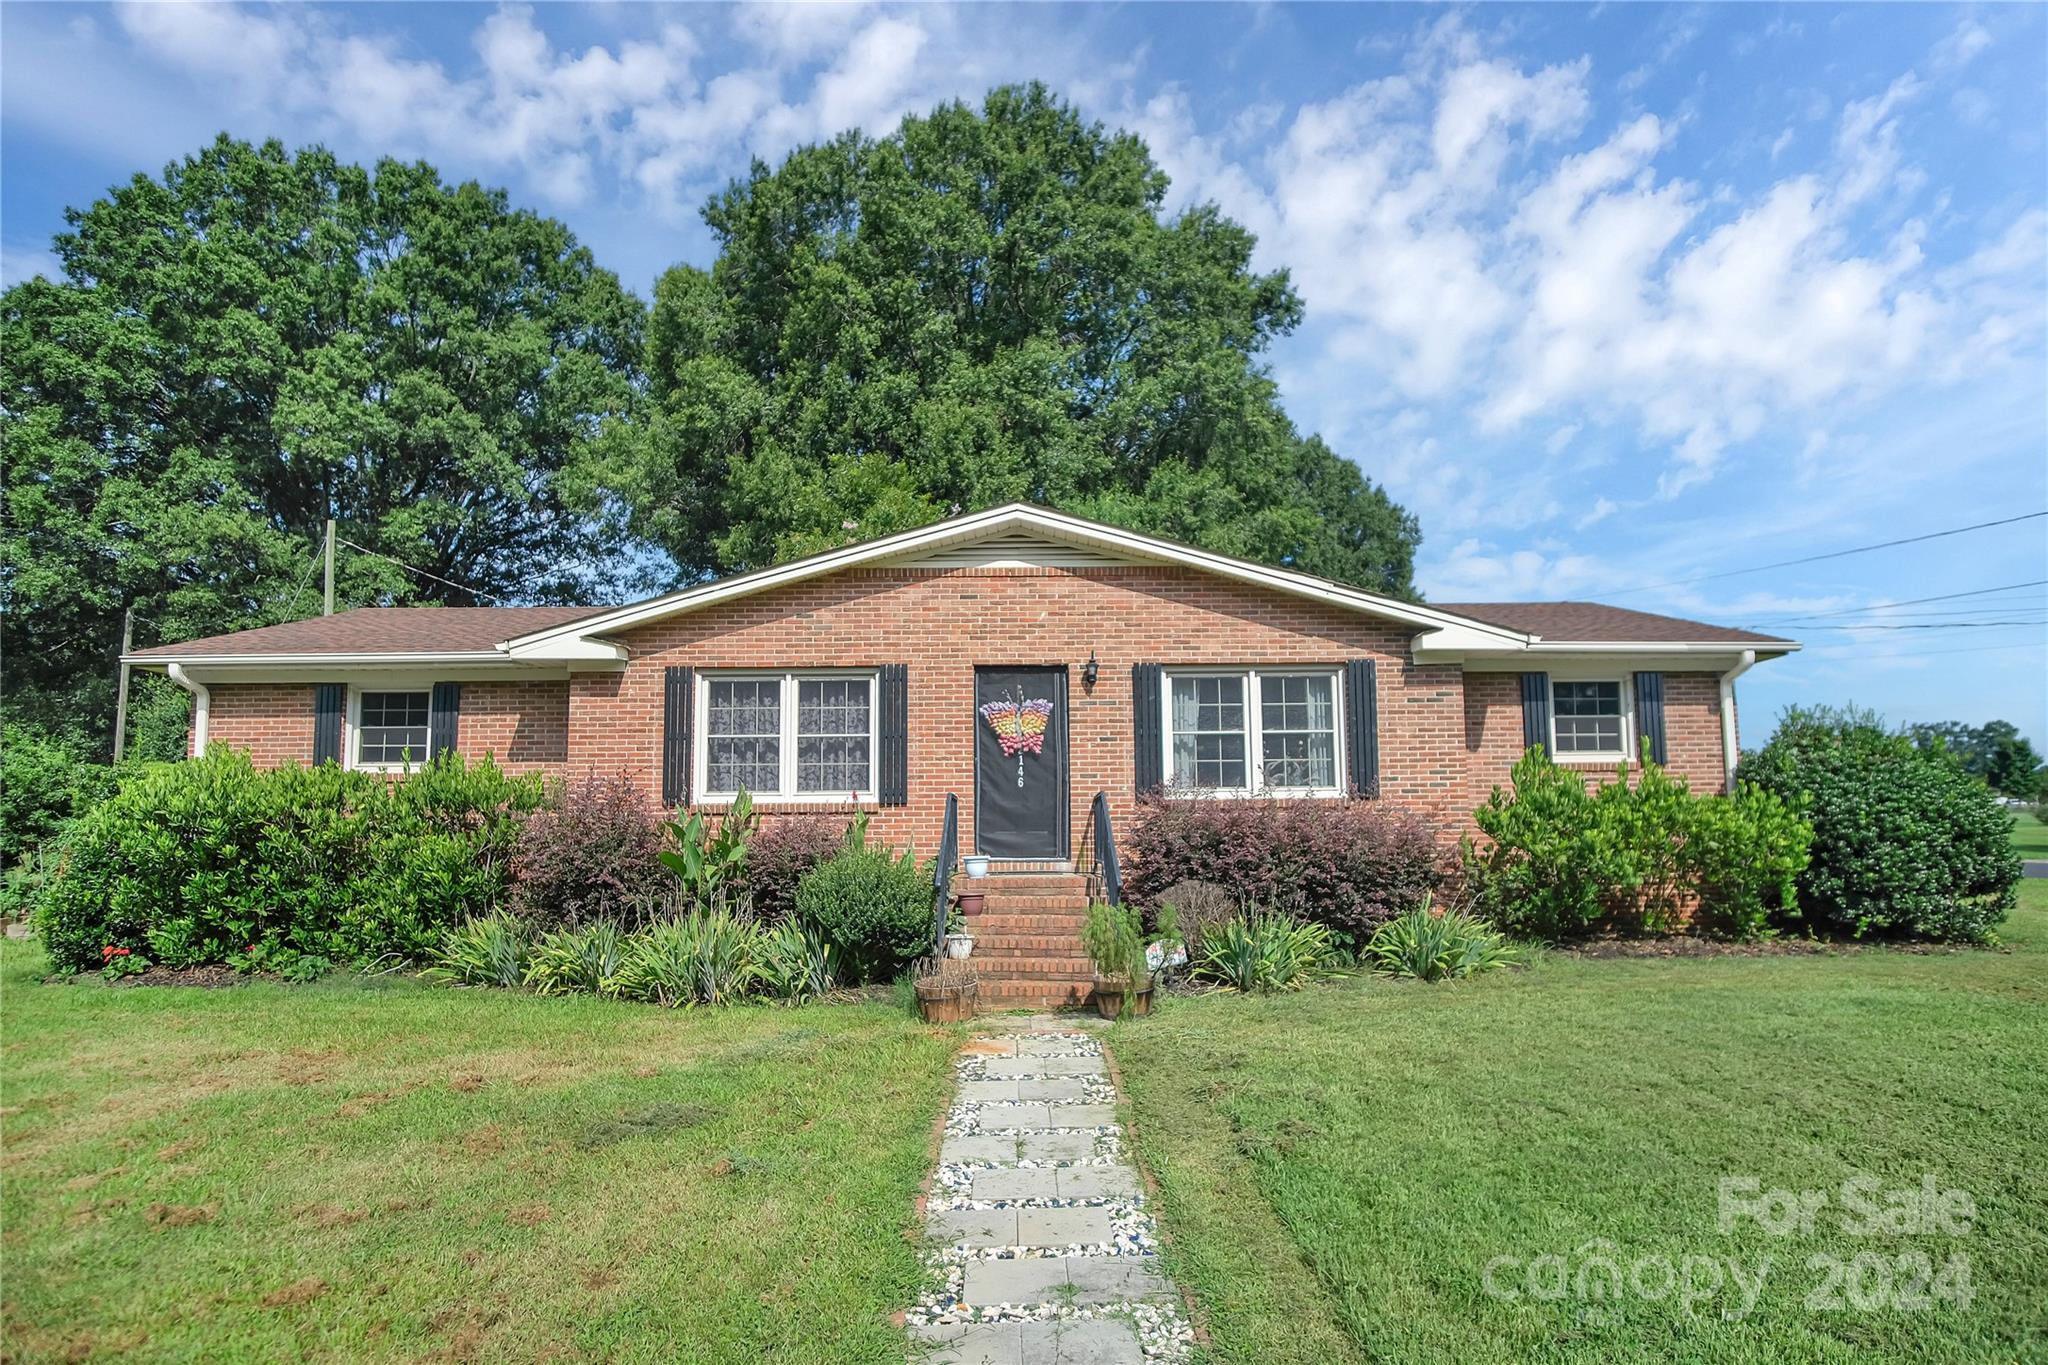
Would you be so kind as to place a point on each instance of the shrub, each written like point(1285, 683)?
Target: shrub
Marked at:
point(1561, 859)
point(1432, 944)
point(1195, 906)
point(44, 786)
point(1264, 952)
point(594, 857)
point(780, 855)
point(1905, 842)
point(212, 856)
point(490, 950)
point(796, 964)
point(873, 907)
point(709, 957)
point(576, 960)
point(1349, 865)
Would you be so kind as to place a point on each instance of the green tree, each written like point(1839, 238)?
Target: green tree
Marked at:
point(983, 306)
point(257, 341)
point(1995, 751)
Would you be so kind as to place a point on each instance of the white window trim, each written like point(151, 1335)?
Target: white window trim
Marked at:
point(1254, 718)
point(700, 735)
point(351, 725)
point(1606, 758)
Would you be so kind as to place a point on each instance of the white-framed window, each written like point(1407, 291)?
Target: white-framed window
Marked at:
point(388, 728)
point(794, 736)
point(1237, 732)
point(1590, 719)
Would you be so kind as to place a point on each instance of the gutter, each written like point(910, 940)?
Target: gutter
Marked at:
point(1730, 752)
point(202, 703)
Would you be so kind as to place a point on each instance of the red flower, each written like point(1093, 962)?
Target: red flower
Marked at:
point(117, 952)
point(107, 951)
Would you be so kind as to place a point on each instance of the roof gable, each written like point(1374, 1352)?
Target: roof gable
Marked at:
point(1015, 530)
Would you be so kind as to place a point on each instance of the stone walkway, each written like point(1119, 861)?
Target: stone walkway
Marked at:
point(1042, 1250)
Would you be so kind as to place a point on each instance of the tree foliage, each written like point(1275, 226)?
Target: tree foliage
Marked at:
point(983, 306)
point(257, 341)
point(1995, 751)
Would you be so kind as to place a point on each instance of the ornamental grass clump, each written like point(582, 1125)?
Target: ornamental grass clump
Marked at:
point(490, 950)
point(1430, 943)
point(571, 961)
point(1264, 952)
point(706, 958)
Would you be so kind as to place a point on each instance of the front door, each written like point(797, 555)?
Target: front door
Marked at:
point(1020, 762)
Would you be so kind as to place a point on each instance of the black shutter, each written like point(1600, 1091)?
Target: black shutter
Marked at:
point(1536, 711)
point(1361, 688)
point(1148, 747)
point(892, 785)
point(679, 698)
point(328, 701)
point(1650, 713)
point(444, 719)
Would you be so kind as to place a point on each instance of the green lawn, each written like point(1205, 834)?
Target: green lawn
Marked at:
point(2030, 836)
point(1340, 1166)
point(349, 1172)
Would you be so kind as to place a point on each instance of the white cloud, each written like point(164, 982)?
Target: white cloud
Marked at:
point(1478, 571)
point(24, 261)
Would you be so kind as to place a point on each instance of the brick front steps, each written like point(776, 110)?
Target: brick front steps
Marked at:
point(1027, 939)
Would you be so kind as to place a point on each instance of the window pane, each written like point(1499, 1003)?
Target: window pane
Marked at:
point(1588, 717)
point(391, 727)
point(1298, 729)
point(743, 725)
point(1208, 739)
point(832, 748)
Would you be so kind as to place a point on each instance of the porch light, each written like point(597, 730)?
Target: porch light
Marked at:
point(1089, 670)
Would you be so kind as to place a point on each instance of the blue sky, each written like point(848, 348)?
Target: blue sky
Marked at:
point(1613, 298)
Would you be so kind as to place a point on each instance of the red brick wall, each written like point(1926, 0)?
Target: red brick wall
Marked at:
point(943, 623)
point(1692, 730)
point(1446, 738)
point(525, 725)
point(273, 721)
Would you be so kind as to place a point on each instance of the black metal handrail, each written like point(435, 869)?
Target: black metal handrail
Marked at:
point(942, 873)
point(1105, 852)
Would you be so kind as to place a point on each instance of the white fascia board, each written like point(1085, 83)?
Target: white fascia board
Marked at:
point(396, 669)
point(275, 660)
point(1446, 630)
point(1690, 656)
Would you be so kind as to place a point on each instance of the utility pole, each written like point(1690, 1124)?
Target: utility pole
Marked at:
point(121, 703)
point(329, 596)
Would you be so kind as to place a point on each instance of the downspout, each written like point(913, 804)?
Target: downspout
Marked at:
point(202, 702)
point(1730, 753)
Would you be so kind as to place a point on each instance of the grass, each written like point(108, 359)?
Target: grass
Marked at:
point(2029, 835)
point(1339, 1166)
point(393, 1171)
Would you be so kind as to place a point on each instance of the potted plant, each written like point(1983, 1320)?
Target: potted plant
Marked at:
point(1115, 938)
point(975, 865)
point(970, 902)
point(959, 939)
point(947, 991)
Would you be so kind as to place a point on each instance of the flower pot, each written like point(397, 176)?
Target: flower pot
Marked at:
point(958, 946)
point(1109, 995)
point(1141, 1000)
point(949, 1008)
point(976, 866)
point(970, 902)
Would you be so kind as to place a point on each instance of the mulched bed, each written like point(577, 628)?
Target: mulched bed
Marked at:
point(206, 978)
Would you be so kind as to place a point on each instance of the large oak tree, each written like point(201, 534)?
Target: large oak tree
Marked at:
point(257, 341)
point(985, 305)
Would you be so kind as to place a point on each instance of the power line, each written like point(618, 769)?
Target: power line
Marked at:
point(374, 554)
point(1907, 602)
point(1931, 625)
point(1967, 649)
point(1832, 554)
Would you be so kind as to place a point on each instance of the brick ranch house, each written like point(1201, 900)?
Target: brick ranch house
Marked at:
point(878, 676)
